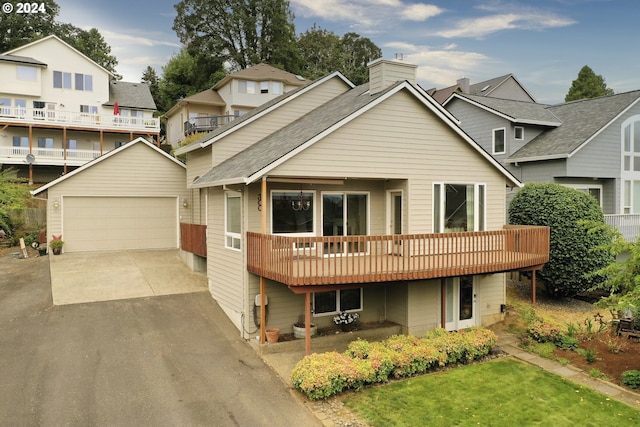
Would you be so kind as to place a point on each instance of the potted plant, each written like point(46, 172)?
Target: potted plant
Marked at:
point(56, 245)
point(346, 321)
point(300, 330)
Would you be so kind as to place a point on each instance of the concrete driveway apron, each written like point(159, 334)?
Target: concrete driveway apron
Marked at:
point(106, 276)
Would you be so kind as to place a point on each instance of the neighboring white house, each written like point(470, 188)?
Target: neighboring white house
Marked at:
point(230, 98)
point(59, 109)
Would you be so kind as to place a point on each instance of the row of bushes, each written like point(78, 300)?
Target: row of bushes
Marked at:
point(321, 375)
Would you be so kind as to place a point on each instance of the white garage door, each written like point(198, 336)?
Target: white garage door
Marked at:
point(119, 223)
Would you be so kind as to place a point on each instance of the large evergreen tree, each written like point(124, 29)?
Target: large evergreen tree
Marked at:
point(587, 85)
point(240, 32)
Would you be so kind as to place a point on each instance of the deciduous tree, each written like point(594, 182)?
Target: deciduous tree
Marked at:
point(587, 85)
point(240, 32)
point(17, 29)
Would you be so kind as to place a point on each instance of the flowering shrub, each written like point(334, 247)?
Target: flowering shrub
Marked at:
point(322, 375)
point(542, 331)
point(344, 318)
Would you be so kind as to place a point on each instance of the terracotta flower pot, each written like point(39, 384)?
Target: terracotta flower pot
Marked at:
point(273, 334)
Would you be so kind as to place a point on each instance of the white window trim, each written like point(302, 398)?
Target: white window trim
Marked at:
point(227, 234)
point(587, 187)
point(515, 133)
point(344, 207)
point(333, 313)
point(493, 139)
point(476, 208)
point(313, 206)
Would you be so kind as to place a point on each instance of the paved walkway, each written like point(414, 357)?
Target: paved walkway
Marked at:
point(509, 344)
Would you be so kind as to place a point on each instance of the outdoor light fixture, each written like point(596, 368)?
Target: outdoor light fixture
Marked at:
point(185, 203)
point(301, 204)
point(56, 204)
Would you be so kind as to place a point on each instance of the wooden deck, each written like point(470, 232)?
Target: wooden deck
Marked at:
point(301, 261)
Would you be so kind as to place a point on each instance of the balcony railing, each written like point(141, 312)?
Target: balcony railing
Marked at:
point(43, 116)
point(627, 224)
point(47, 156)
point(193, 238)
point(205, 123)
point(299, 261)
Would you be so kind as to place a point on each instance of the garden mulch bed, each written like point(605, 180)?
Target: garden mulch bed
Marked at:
point(613, 354)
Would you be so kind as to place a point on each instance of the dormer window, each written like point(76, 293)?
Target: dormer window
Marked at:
point(27, 73)
point(499, 141)
point(264, 87)
point(518, 133)
point(276, 88)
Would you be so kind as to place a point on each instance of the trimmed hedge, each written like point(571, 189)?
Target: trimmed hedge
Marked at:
point(321, 375)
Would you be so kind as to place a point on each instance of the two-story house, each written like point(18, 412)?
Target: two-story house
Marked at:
point(591, 145)
point(233, 96)
point(59, 110)
point(367, 199)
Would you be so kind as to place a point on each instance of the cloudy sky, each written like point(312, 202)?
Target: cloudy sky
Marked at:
point(544, 43)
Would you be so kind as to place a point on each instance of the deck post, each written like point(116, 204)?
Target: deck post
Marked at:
point(443, 303)
point(533, 287)
point(307, 323)
point(263, 314)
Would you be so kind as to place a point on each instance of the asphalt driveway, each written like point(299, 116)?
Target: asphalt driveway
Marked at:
point(107, 276)
point(172, 360)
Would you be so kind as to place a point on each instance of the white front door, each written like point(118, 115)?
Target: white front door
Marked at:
point(460, 303)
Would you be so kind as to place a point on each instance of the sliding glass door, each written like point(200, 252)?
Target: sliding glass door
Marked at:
point(344, 214)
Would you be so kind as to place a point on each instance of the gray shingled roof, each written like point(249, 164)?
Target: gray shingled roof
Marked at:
point(21, 60)
point(282, 142)
point(517, 111)
point(130, 95)
point(581, 121)
point(239, 120)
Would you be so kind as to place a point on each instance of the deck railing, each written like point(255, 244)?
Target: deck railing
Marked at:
point(43, 116)
point(627, 224)
point(299, 261)
point(206, 123)
point(193, 238)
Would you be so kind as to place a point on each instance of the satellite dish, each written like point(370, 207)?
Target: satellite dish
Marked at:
point(30, 159)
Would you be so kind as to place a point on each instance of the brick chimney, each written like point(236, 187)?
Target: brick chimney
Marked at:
point(383, 73)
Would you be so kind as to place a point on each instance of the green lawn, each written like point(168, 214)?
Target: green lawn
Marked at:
point(502, 392)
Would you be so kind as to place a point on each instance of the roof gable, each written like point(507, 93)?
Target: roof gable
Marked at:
point(582, 121)
point(261, 72)
point(519, 112)
point(61, 42)
point(263, 156)
point(112, 153)
point(259, 112)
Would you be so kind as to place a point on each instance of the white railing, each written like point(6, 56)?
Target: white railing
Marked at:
point(627, 224)
point(46, 155)
point(37, 116)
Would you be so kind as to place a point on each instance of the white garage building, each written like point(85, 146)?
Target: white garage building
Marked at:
point(130, 198)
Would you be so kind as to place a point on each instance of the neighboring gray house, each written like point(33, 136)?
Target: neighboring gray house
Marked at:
point(592, 145)
point(503, 87)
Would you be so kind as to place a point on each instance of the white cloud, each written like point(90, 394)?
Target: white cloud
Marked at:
point(136, 40)
point(420, 12)
point(365, 14)
point(485, 25)
point(440, 67)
